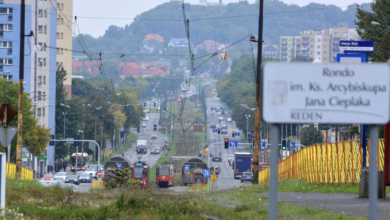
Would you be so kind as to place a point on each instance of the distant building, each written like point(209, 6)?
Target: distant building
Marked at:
point(91, 66)
point(321, 43)
point(270, 51)
point(211, 46)
point(179, 43)
point(152, 41)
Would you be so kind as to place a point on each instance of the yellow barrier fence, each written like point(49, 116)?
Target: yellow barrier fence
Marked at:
point(339, 162)
point(27, 174)
point(95, 184)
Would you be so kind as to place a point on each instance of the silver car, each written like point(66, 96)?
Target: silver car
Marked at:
point(85, 177)
point(62, 175)
point(91, 171)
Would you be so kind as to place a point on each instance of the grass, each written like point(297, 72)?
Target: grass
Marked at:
point(132, 139)
point(37, 202)
point(202, 141)
point(154, 110)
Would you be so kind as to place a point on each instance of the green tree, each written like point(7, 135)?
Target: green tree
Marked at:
point(311, 135)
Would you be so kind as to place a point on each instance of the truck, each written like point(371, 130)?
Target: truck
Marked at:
point(141, 147)
point(242, 163)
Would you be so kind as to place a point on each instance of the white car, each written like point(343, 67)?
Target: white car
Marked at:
point(91, 171)
point(219, 113)
point(147, 118)
point(143, 125)
point(62, 175)
point(229, 120)
point(146, 111)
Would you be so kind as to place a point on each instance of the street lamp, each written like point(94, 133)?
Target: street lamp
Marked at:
point(64, 113)
point(374, 23)
point(247, 117)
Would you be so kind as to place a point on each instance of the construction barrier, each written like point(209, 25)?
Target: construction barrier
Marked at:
point(27, 174)
point(339, 162)
point(95, 184)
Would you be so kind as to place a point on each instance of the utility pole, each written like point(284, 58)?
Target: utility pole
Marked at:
point(101, 140)
point(94, 156)
point(258, 84)
point(19, 146)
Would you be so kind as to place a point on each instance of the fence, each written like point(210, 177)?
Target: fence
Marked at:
point(339, 162)
point(27, 174)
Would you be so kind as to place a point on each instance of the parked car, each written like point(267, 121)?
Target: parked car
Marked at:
point(85, 177)
point(73, 179)
point(61, 175)
point(224, 126)
point(216, 157)
point(229, 120)
point(48, 177)
point(247, 176)
point(91, 171)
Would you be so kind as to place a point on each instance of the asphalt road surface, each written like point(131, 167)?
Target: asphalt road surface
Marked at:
point(226, 180)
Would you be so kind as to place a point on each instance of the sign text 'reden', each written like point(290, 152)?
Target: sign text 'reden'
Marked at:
point(326, 93)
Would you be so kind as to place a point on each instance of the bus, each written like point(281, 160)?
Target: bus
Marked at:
point(82, 161)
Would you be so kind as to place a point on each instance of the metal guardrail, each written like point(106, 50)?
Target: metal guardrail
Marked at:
point(339, 162)
point(27, 174)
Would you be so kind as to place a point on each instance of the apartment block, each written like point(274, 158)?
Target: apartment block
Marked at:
point(322, 44)
point(64, 40)
point(39, 61)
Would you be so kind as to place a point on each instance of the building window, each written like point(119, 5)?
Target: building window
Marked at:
point(45, 13)
point(44, 61)
point(7, 62)
point(5, 27)
point(318, 52)
point(62, 35)
point(336, 33)
point(58, 50)
point(39, 95)
point(324, 59)
point(43, 111)
point(312, 40)
point(57, 64)
point(62, 50)
point(5, 10)
point(311, 46)
point(298, 40)
point(58, 6)
point(44, 81)
point(62, 6)
point(62, 21)
point(58, 21)
point(318, 39)
point(40, 29)
point(325, 39)
point(284, 40)
point(312, 52)
point(40, 61)
point(324, 46)
point(351, 33)
point(40, 13)
point(324, 52)
point(5, 44)
point(39, 79)
point(58, 35)
point(44, 29)
point(9, 77)
point(345, 34)
point(39, 111)
point(318, 46)
point(289, 40)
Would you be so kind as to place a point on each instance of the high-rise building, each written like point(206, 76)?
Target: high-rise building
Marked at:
point(64, 40)
point(39, 61)
point(322, 44)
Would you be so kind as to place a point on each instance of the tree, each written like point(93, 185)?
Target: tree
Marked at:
point(311, 135)
point(35, 137)
point(110, 68)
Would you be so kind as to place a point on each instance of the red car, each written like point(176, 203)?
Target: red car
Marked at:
point(47, 177)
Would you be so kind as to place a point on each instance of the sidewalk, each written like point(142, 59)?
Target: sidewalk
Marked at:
point(347, 204)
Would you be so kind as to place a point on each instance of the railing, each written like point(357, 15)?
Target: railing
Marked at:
point(339, 162)
point(27, 174)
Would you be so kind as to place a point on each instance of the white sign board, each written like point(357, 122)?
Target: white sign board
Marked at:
point(325, 93)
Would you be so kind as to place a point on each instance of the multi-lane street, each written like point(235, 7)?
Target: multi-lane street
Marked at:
point(226, 180)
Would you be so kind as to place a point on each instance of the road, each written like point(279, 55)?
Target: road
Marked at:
point(226, 180)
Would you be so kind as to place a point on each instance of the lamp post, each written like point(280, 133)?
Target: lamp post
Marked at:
point(247, 117)
point(64, 113)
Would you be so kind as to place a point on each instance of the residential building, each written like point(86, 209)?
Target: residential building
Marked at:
point(152, 41)
point(269, 51)
point(39, 62)
point(64, 40)
point(210, 46)
point(179, 43)
point(320, 43)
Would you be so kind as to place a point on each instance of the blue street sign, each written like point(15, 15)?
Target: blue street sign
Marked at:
point(201, 126)
point(262, 144)
point(186, 168)
point(224, 109)
point(350, 58)
point(215, 108)
point(206, 173)
point(291, 145)
point(357, 45)
point(237, 134)
point(215, 130)
point(119, 165)
point(233, 144)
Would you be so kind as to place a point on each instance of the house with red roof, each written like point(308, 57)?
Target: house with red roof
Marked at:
point(91, 66)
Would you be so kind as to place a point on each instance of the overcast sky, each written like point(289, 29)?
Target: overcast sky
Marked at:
point(132, 8)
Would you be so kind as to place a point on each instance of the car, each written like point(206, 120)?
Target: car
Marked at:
point(247, 176)
point(96, 167)
point(58, 180)
point(85, 177)
point(231, 159)
point(73, 179)
point(48, 177)
point(223, 112)
point(219, 113)
point(216, 157)
point(79, 173)
point(91, 171)
point(153, 136)
point(146, 111)
point(224, 126)
point(220, 118)
point(62, 175)
point(147, 118)
point(211, 113)
point(212, 125)
point(229, 120)
point(223, 131)
point(155, 150)
point(143, 125)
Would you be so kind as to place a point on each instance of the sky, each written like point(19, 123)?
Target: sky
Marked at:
point(131, 8)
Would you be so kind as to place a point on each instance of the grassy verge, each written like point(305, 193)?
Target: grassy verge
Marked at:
point(154, 110)
point(37, 202)
point(131, 139)
point(171, 152)
point(202, 141)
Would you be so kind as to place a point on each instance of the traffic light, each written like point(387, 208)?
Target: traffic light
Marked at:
point(155, 127)
point(211, 108)
point(206, 146)
point(253, 143)
point(51, 143)
point(226, 143)
point(284, 144)
point(144, 104)
point(232, 133)
point(154, 104)
point(76, 143)
point(221, 108)
point(219, 131)
point(249, 134)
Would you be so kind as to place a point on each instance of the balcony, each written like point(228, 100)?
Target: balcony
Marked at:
point(305, 42)
point(284, 52)
point(305, 49)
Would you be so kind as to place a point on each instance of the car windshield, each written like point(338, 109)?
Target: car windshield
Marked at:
point(72, 177)
point(90, 169)
point(138, 171)
point(48, 176)
point(84, 174)
point(80, 173)
point(61, 174)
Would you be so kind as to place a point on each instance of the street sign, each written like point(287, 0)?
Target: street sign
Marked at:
point(262, 144)
point(206, 173)
point(201, 126)
point(119, 165)
point(326, 93)
point(356, 45)
point(350, 58)
point(237, 134)
point(186, 168)
point(215, 108)
point(92, 146)
point(291, 145)
point(11, 131)
point(224, 109)
point(214, 177)
point(222, 56)
point(215, 130)
point(100, 173)
point(233, 144)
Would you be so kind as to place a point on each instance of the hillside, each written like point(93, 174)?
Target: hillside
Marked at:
point(225, 24)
